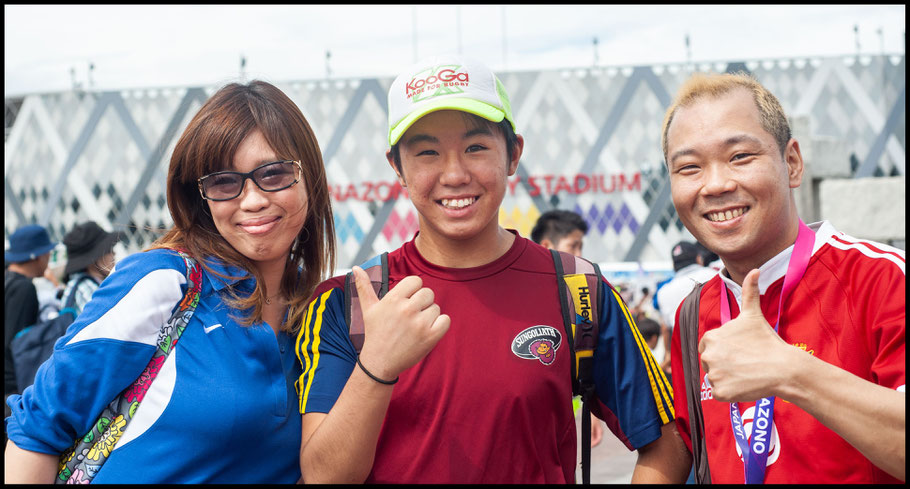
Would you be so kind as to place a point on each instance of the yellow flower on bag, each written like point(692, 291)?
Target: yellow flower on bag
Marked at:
point(109, 439)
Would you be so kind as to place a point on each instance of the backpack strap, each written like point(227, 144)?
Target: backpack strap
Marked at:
point(576, 278)
point(688, 342)
point(377, 269)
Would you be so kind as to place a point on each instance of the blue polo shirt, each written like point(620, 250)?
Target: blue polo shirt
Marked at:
point(223, 408)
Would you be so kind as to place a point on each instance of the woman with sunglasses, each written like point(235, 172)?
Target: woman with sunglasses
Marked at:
point(247, 192)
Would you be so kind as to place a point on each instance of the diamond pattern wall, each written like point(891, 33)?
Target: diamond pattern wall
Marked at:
point(73, 156)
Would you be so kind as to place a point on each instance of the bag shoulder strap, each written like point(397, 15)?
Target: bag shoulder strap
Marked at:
point(377, 268)
point(580, 287)
point(74, 466)
point(576, 279)
point(688, 340)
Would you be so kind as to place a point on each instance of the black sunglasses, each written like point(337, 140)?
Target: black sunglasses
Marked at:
point(270, 177)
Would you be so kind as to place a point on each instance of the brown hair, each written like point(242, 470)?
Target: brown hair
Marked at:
point(207, 145)
point(702, 85)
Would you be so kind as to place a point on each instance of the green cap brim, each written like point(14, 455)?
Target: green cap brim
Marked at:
point(469, 105)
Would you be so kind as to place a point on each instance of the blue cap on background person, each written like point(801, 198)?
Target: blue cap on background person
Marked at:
point(27, 243)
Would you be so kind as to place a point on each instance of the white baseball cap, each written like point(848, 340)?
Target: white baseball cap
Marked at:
point(445, 82)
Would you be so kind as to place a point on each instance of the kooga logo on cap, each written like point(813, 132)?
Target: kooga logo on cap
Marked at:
point(435, 81)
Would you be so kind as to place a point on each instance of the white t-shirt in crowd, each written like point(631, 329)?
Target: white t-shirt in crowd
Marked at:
point(671, 295)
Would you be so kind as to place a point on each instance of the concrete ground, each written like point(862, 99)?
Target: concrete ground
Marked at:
point(611, 461)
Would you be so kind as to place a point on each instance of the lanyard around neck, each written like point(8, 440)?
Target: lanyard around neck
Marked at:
point(755, 451)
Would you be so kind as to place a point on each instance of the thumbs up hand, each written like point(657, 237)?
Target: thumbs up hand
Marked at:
point(745, 359)
point(399, 329)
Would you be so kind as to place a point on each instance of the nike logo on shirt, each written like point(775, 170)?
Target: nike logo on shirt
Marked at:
point(208, 329)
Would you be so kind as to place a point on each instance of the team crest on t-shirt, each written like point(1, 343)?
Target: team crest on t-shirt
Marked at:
point(540, 342)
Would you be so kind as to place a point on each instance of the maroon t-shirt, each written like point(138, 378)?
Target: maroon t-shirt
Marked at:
point(482, 406)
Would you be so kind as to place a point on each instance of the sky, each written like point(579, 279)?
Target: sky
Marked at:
point(49, 48)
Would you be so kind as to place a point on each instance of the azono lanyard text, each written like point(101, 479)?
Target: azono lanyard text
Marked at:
point(755, 455)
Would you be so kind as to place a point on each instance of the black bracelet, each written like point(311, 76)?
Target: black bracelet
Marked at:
point(377, 379)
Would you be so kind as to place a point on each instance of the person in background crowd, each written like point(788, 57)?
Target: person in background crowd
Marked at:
point(447, 386)
point(708, 257)
point(89, 260)
point(560, 230)
point(643, 307)
point(563, 230)
point(801, 336)
point(49, 291)
point(688, 269)
point(247, 192)
point(26, 258)
point(651, 332)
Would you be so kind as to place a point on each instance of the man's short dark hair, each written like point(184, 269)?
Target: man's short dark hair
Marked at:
point(503, 126)
point(557, 224)
point(648, 327)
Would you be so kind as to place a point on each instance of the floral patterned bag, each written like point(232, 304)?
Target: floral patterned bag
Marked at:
point(81, 463)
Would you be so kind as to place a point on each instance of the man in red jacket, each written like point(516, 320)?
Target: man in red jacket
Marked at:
point(801, 335)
